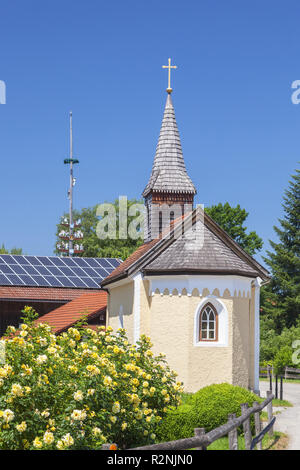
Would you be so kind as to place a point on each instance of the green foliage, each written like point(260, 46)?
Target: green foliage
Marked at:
point(215, 402)
point(13, 251)
point(179, 423)
point(274, 345)
point(281, 298)
point(208, 408)
point(80, 389)
point(282, 359)
point(29, 315)
point(95, 247)
point(231, 219)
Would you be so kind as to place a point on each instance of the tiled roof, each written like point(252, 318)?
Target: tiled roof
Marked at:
point(137, 254)
point(89, 304)
point(218, 254)
point(40, 293)
point(168, 172)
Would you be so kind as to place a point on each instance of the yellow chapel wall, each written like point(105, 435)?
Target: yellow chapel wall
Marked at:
point(121, 296)
point(169, 320)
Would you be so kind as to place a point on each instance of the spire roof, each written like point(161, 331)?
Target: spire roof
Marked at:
point(168, 172)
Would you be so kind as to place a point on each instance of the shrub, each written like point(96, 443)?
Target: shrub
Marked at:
point(208, 408)
point(215, 402)
point(81, 389)
point(177, 424)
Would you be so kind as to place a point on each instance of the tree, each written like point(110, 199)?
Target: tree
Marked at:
point(13, 251)
point(103, 248)
point(281, 298)
point(231, 219)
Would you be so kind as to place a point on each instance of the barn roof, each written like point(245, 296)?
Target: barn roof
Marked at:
point(54, 272)
point(91, 305)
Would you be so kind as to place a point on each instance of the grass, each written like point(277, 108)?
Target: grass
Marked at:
point(292, 381)
point(278, 441)
point(277, 402)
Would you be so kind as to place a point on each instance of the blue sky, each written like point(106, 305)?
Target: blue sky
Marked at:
point(232, 95)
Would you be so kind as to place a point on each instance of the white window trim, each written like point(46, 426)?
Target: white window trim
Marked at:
point(222, 333)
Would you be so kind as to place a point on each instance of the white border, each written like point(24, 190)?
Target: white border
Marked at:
point(137, 307)
point(222, 324)
point(257, 284)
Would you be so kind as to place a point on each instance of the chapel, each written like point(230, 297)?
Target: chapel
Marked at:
point(190, 287)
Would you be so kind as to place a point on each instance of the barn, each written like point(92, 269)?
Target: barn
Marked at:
point(46, 283)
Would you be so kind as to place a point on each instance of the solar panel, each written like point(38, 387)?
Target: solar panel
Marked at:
point(4, 281)
point(115, 262)
point(81, 262)
point(105, 263)
point(5, 269)
point(52, 271)
point(18, 269)
point(14, 279)
point(9, 258)
point(70, 262)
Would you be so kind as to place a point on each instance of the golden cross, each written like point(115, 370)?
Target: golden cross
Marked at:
point(169, 89)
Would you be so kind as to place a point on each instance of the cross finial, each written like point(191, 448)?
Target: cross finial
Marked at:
point(169, 89)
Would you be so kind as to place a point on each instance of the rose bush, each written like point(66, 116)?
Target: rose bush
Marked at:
point(81, 389)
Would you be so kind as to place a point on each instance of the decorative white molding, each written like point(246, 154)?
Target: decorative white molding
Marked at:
point(137, 307)
point(222, 324)
point(238, 286)
point(257, 284)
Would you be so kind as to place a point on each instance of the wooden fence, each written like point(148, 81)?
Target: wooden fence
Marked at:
point(202, 440)
point(289, 372)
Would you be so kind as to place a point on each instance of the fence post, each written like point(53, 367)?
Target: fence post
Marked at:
point(199, 432)
point(270, 375)
point(270, 412)
point(233, 435)
point(281, 387)
point(257, 424)
point(276, 386)
point(246, 427)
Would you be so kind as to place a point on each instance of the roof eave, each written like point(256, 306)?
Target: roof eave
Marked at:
point(191, 271)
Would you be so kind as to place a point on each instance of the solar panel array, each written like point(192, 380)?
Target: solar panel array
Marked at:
point(52, 271)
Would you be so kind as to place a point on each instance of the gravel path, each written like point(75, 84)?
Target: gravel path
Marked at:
point(288, 421)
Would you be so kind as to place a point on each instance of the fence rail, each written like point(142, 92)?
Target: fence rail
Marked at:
point(289, 372)
point(202, 440)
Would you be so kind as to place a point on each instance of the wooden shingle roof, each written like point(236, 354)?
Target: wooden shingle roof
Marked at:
point(169, 172)
point(175, 253)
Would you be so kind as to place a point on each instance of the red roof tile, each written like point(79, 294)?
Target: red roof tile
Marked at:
point(40, 293)
point(121, 269)
point(89, 304)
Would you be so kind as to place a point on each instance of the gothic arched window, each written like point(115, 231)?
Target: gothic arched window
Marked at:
point(208, 324)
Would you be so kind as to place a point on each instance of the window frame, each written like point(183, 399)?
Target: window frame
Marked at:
point(216, 338)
